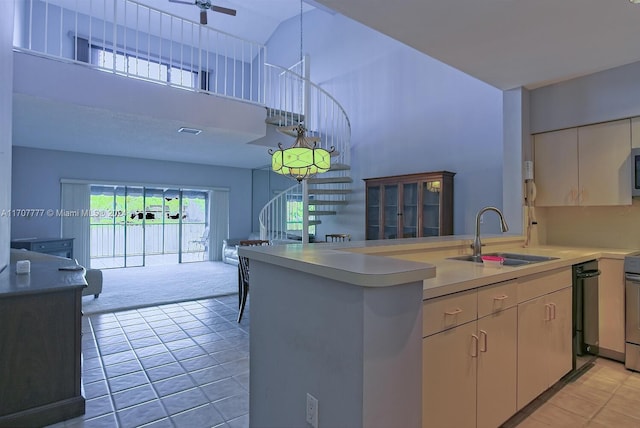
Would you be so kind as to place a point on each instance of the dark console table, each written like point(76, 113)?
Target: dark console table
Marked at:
point(40, 345)
point(62, 247)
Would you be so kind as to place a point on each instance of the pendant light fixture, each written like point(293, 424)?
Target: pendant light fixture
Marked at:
point(303, 159)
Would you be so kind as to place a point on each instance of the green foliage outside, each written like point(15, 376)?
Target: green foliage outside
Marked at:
point(159, 210)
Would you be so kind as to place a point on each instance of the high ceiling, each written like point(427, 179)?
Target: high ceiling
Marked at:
point(509, 43)
point(506, 43)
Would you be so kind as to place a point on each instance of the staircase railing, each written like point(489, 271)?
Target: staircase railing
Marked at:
point(135, 40)
point(325, 118)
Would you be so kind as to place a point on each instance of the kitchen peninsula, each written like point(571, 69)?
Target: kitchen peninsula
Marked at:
point(348, 323)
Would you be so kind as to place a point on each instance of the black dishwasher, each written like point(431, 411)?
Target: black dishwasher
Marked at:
point(585, 313)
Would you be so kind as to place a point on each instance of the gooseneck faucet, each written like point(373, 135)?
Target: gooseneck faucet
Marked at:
point(477, 244)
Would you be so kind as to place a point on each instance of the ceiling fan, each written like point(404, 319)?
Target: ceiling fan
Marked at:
point(204, 5)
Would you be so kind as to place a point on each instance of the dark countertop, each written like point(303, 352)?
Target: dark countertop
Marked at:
point(43, 278)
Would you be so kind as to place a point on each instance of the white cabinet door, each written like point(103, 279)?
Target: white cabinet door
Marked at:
point(556, 168)
point(497, 367)
point(604, 166)
point(533, 317)
point(449, 378)
point(559, 360)
point(545, 352)
point(611, 305)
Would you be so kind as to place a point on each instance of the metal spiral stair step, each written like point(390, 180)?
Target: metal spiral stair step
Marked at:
point(329, 180)
point(329, 191)
point(322, 212)
point(339, 167)
point(325, 202)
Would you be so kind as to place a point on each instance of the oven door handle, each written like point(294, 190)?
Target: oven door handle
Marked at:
point(632, 277)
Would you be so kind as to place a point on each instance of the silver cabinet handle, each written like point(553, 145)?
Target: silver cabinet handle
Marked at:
point(483, 346)
point(547, 312)
point(553, 310)
point(453, 312)
point(474, 347)
point(503, 297)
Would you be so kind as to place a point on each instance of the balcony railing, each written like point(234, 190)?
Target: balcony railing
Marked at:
point(132, 39)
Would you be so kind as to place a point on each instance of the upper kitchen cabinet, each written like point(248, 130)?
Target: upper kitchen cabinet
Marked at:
point(587, 166)
point(409, 206)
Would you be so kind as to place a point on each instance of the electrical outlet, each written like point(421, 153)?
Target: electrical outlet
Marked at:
point(312, 410)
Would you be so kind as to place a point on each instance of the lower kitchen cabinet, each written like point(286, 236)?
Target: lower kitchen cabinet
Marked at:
point(496, 399)
point(469, 371)
point(544, 343)
point(610, 304)
point(449, 372)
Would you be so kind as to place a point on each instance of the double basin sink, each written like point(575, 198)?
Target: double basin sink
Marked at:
point(510, 259)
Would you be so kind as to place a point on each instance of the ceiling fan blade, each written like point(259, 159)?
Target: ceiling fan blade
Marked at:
point(183, 2)
point(203, 17)
point(224, 10)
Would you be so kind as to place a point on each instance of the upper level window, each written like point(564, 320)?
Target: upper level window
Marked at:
point(142, 67)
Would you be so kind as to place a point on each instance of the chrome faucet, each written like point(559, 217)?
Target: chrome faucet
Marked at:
point(477, 244)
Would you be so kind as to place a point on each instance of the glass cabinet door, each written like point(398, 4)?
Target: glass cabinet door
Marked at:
point(409, 210)
point(391, 212)
point(373, 212)
point(431, 208)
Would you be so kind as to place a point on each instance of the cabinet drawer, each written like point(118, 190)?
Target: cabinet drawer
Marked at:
point(497, 297)
point(52, 245)
point(533, 286)
point(449, 311)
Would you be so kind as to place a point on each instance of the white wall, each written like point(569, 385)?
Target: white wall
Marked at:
point(409, 113)
point(37, 174)
point(6, 96)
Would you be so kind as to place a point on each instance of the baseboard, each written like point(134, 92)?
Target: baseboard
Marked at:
point(611, 355)
point(45, 415)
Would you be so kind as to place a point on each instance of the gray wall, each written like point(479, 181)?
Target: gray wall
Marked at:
point(37, 173)
point(599, 97)
point(409, 113)
point(6, 92)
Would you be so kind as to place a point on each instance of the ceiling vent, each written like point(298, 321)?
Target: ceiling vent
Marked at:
point(193, 131)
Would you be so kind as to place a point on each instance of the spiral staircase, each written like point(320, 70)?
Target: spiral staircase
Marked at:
point(292, 99)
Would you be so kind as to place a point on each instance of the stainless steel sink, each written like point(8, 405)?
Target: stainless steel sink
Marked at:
point(510, 259)
point(526, 257)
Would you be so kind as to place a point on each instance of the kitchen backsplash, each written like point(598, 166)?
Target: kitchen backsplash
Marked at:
point(608, 227)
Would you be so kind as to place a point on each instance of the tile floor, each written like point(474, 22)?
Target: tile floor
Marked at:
point(176, 365)
point(606, 396)
point(187, 365)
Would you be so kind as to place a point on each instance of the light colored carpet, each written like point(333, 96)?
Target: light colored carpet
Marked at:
point(137, 287)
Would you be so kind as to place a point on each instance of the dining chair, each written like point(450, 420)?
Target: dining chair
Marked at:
point(243, 274)
point(337, 237)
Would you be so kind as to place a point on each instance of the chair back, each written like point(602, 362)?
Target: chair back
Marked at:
point(243, 262)
point(337, 237)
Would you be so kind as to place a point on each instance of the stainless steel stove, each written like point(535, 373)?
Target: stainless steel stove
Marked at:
point(632, 311)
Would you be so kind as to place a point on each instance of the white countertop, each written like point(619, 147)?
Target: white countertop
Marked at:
point(329, 261)
point(393, 262)
point(455, 275)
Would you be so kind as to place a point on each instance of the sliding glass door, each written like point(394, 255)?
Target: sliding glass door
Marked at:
point(141, 226)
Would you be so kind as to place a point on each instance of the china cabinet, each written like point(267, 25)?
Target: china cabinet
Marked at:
point(409, 206)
